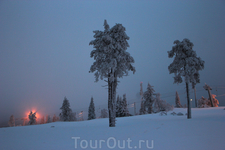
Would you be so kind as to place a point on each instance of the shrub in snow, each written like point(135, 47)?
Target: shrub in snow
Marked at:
point(161, 105)
point(180, 114)
point(54, 118)
point(48, 119)
point(163, 113)
point(104, 113)
point(112, 61)
point(173, 113)
point(177, 101)
point(215, 101)
point(149, 99)
point(203, 102)
point(91, 110)
point(42, 120)
point(185, 64)
point(32, 118)
point(66, 114)
point(11, 121)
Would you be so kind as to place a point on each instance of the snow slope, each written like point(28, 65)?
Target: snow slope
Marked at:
point(205, 131)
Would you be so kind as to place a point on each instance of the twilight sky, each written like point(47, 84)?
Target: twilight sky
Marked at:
point(45, 52)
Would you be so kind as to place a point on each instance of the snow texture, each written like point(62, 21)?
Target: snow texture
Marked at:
point(168, 132)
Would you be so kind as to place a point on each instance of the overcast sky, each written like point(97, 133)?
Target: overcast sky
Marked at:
point(45, 52)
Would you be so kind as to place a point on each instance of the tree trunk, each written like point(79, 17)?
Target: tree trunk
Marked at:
point(111, 100)
point(210, 97)
point(195, 98)
point(188, 102)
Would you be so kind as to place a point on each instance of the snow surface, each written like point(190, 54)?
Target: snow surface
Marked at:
point(205, 131)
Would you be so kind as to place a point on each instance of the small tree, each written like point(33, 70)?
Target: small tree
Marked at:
point(104, 113)
point(215, 101)
point(119, 106)
point(11, 121)
point(149, 99)
point(125, 111)
point(142, 109)
point(185, 64)
point(91, 110)
point(203, 103)
point(177, 101)
point(54, 119)
point(32, 118)
point(65, 115)
point(42, 120)
point(161, 105)
point(48, 119)
point(112, 61)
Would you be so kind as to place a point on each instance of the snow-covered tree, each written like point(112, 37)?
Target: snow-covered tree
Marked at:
point(148, 98)
point(55, 118)
point(185, 64)
point(142, 109)
point(124, 111)
point(104, 113)
point(215, 101)
point(48, 119)
point(161, 105)
point(32, 118)
point(203, 103)
point(42, 120)
point(91, 110)
point(119, 106)
point(112, 61)
point(11, 121)
point(65, 115)
point(177, 101)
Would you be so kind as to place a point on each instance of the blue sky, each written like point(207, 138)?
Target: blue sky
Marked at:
point(45, 52)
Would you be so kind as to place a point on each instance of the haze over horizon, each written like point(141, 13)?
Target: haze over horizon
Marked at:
point(45, 52)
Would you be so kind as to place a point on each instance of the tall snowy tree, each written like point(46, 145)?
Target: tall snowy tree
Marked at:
point(32, 118)
point(91, 110)
point(185, 64)
point(177, 101)
point(65, 115)
point(149, 99)
point(11, 121)
point(112, 61)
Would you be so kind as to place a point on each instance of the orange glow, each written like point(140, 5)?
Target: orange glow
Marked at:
point(33, 111)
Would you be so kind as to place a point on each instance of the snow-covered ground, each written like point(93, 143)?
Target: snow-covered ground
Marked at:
point(205, 131)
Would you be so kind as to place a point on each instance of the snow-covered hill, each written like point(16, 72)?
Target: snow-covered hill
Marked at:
point(205, 131)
